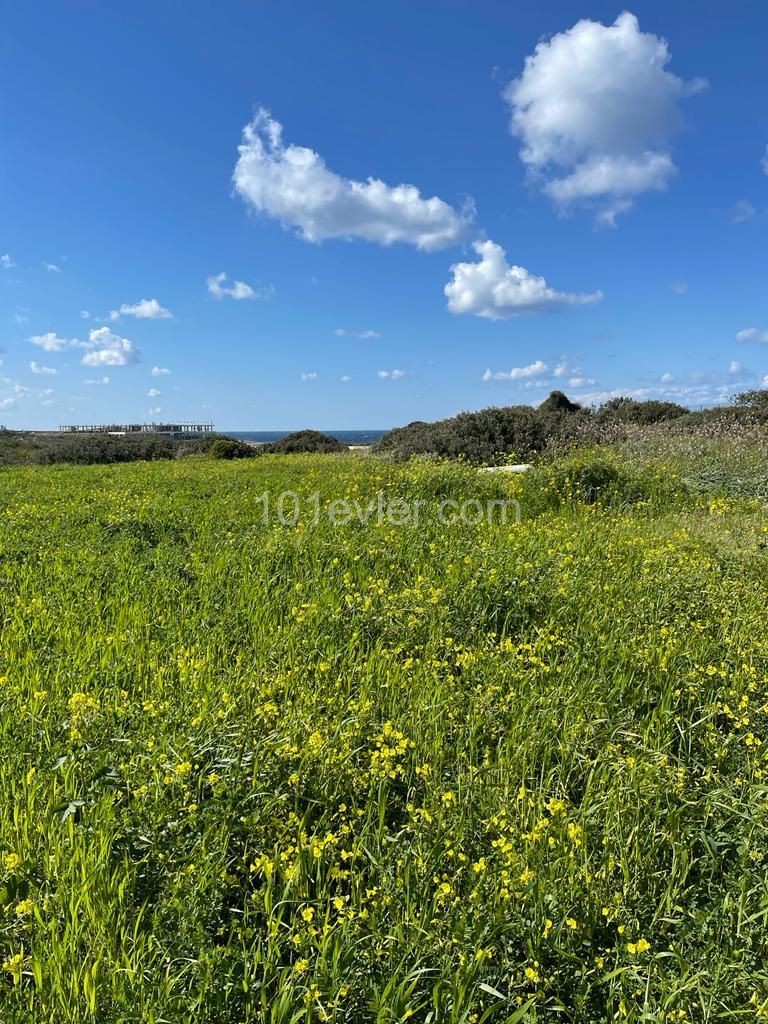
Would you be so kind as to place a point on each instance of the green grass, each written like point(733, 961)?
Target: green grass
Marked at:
point(465, 774)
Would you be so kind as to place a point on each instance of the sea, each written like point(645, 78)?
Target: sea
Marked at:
point(345, 436)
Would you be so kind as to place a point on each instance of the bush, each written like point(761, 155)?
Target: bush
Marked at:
point(229, 448)
point(99, 449)
point(627, 410)
point(491, 436)
point(306, 441)
point(558, 402)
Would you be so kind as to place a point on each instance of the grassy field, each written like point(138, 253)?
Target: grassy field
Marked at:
point(255, 772)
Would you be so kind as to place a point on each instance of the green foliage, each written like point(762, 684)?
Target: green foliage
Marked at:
point(262, 774)
point(306, 441)
point(25, 448)
point(94, 449)
point(558, 402)
point(755, 402)
point(494, 436)
point(487, 436)
point(628, 410)
point(229, 448)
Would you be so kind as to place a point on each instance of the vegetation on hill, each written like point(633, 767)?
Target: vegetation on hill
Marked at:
point(306, 441)
point(33, 448)
point(520, 432)
point(230, 448)
point(261, 767)
point(30, 447)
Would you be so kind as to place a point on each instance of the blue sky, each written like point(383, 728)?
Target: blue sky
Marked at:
point(585, 208)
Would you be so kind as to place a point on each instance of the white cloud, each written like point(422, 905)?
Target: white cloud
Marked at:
point(742, 211)
point(309, 376)
point(98, 380)
point(345, 379)
point(494, 289)
point(6, 262)
point(144, 309)
point(696, 389)
point(7, 403)
point(154, 412)
point(50, 342)
point(596, 105)
point(764, 161)
point(153, 393)
point(52, 268)
point(107, 349)
point(582, 382)
point(237, 290)
point(390, 374)
point(764, 382)
point(160, 371)
point(84, 313)
point(342, 332)
point(752, 334)
point(293, 184)
point(537, 369)
point(37, 368)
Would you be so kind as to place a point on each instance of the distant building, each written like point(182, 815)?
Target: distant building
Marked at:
point(177, 431)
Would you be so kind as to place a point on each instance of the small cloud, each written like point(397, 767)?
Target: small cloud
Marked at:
point(153, 393)
point(293, 185)
point(345, 379)
point(667, 378)
point(342, 332)
point(764, 161)
point(735, 367)
point(493, 289)
point(390, 374)
point(37, 368)
point(85, 314)
point(563, 369)
point(537, 369)
point(595, 108)
point(50, 342)
point(309, 376)
point(752, 334)
point(154, 412)
point(742, 211)
point(98, 380)
point(160, 371)
point(144, 309)
point(108, 349)
point(582, 382)
point(218, 287)
point(52, 268)
point(6, 262)
point(21, 319)
point(679, 287)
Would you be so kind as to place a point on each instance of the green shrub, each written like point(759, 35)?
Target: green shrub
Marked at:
point(306, 441)
point(95, 449)
point(229, 448)
point(627, 410)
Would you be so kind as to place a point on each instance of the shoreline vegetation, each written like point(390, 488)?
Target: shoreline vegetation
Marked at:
point(491, 436)
point(274, 751)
